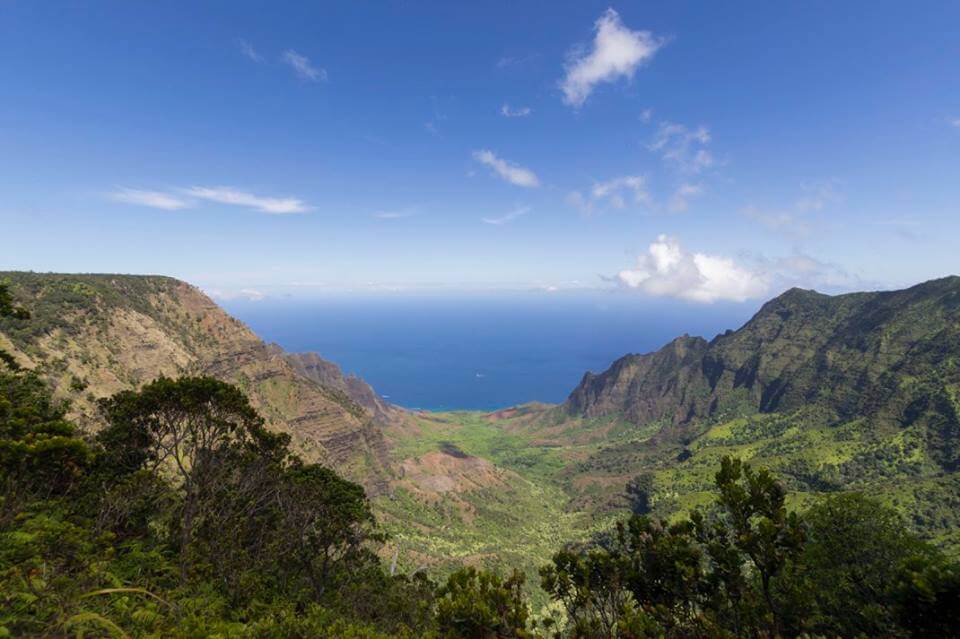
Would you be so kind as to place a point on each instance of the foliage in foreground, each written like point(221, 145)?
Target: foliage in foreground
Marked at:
point(185, 517)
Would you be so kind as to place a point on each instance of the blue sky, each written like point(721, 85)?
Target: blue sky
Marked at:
point(704, 151)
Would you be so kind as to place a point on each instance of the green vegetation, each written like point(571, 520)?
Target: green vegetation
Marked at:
point(185, 518)
point(184, 515)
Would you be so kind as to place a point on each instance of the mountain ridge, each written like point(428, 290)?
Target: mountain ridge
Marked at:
point(93, 335)
point(801, 347)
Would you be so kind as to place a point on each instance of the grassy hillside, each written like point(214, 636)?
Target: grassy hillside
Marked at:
point(856, 392)
point(91, 336)
point(553, 481)
point(474, 489)
point(509, 488)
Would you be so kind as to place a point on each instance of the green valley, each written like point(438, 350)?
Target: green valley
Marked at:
point(817, 409)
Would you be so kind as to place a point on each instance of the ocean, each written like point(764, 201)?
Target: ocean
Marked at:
point(479, 351)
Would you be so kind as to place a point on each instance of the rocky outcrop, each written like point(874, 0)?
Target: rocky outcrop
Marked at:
point(93, 335)
point(329, 375)
point(642, 387)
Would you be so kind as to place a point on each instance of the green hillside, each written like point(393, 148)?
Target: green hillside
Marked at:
point(796, 477)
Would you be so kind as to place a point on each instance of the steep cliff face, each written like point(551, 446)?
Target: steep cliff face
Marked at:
point(893, 357)
point(329, 375)
point(642, 388)
point(93, 335)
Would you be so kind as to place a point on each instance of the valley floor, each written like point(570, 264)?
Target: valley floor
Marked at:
point(480, 489)
point(508, 489)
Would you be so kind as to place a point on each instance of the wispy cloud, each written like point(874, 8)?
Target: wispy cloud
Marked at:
point(247, 49)
point(234, 197)
point(153, 199)
point(439, 115)
point(507, 61)
point(509, 217)
point(249, 294)
point(512, 173)
point(683, 147)
point(398, 214)
point(680, 200)
point(954, 122)
point(521, 112)
point(303, 67)
point(615, 193)
point(612, 189)
point(800, 269)
point(797, 220)
point(646, 116)
point(617, 52)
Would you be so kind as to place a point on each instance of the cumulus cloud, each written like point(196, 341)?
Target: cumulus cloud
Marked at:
point(521, 112)
point(509, 217)
point(617, 52)
point(303, 67)
point(228, 195)
point(683, 147)
point(247, 49)
point(668, 270)
point(512, 173)
point(153, 199)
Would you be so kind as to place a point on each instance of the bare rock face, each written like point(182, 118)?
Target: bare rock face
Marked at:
point(642, 387)
point(329, 375)
point(94, 335)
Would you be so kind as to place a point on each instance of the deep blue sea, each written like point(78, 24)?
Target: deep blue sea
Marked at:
point(479, 351)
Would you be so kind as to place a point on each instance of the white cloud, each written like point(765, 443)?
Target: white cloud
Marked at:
point(783, 221)
point(303, 67)
point(683, 147)
point(153, 199)
point(249, 294)
point(521, 112)
point(509, 217)
point(395, 215)
point(646, 115)
point(619, 192)
point(228, 195)
point(615, 192)
point(954, 122)
point(667, 270)
point(247, 49)
point(512, 173)
point(617, 52)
